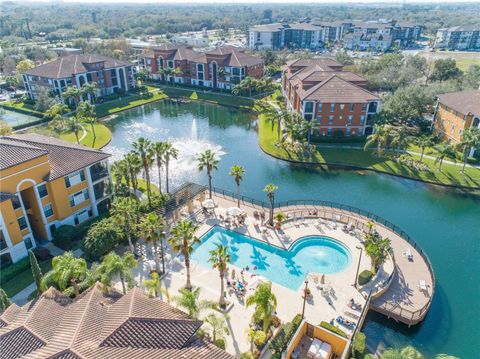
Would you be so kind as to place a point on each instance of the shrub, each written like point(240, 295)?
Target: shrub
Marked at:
point(42, 253)
point(101, 238)
point(246, 355)
point(220, 342)
point(65, 237)
point(359, 347)
point(275, 321)
point(365, 277)
point(13, 270)
point(280, 342)
point(338, 134)
point(333, 329)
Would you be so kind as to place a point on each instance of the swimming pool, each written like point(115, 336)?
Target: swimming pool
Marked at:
point(285, 267)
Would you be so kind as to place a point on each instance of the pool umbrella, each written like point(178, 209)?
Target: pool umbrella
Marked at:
point(234, 211)
point(322, 279)
point(209, 203)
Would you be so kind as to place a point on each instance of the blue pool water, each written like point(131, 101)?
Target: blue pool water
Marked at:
point(285, 267)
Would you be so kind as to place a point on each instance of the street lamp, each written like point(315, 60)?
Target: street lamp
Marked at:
point(358, 266)
point(304, 298)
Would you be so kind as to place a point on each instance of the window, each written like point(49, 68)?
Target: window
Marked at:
point(319, 107)
point(330, 120)
point(464, 118)
point(332, 107)
point(22, 222)
point(48, 210)
point(3, 242)
point(16, 202)
point(350, 119)
point(78, 198)
point(362, 120)
point(42, 190)
point(460, 132)
point(351, 107)
point(74, 178)
point(329, 132)
point(319, 119)
point(342, 106)
point(309, 107)
point(348, 131)
point(28, 243)
point(364, 107)
point(82, 216)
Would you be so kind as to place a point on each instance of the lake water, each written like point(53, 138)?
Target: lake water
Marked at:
point(445, 224)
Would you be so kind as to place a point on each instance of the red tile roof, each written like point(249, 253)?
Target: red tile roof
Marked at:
point(462, 101)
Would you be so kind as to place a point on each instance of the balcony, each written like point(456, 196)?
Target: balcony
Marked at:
point(101, 190)
point(98, 171)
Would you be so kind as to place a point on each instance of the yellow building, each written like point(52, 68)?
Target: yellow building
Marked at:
point(455, 112)
point(46, 183)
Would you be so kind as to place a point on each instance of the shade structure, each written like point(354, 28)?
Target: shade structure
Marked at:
point(209, 203)
point(255, 281)
point(235, 211)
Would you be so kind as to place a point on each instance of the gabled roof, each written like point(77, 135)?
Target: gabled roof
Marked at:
point(64, 157)
point(462, 101)
point(67, 66)
point(102, 326)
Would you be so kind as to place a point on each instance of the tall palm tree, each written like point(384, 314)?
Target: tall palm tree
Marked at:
point(73, 93)
point(67, 270)
point(444, 150)
point(90, 88)
point(217, 326)
point(86, 111)
point(270, 190)
point(169, 153)
point(56, 113)
point(188, 299)
point(143, 148)
point(408, 352)
point(237, 173)
point(379, 136)
point(73, 125)
point(114, 265)
point(124, 210)
point(183, 240)
point(470, 139)
point(209, 162)
point(423, 142)
point(400, 138)
point(307, 127)
point(158, 149)
point(133, 165)
point(220, 259)
point(119, 172)
point(152, 227)
point(265, 304)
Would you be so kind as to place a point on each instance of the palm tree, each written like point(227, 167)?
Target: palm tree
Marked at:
point(124, 211)
point(220, 259)
point(133, 165)
point(90, 88)
point(143, 148)
point(183, 240)
point(119, 172)
point(265, 304)
point(216, 326)
point(237, 172)
point(470, 139)
point(114, 265)
point(400, 137)
point(444, 150)
point(307, 126)
point(408, 352)
point(152, 284)
point(169, 153)
point(56, 113)
point(72, 93)
point(380, 136)
point(423, 142)
point(377, 249)
point(152, 228)
point(158, 149)
point(67, 270)
point(86, 111)
point(257, 337)
point(270, 190)
point(188, 299)
point(207, 160)
point(73, 125)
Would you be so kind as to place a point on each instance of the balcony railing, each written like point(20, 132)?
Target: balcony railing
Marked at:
point(98, 171)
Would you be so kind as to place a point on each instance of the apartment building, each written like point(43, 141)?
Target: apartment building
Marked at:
point(454, 113)
point(221, 68)
point(465, 37)
point(110, 75)
point(45, 183)
point(336, 100)
point(356, 35)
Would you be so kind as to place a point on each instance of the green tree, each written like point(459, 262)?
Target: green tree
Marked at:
point(379, 136)
point(408, 352)
point(5, 129)
point(125, 211)
point(423, 142)
point(24, 65)
point(188, 300)
point(408, 103)
point(237, 173)
point(74, 94)
point(43, 99)
point(208, 161)
point(67, 270)
point(114, 265)
point(470, 139)
point(90, 88)
point(445, 69)
point(158, 149)
point(169, 153)
point(143, 148)
point(5, 302)
point(86, 111)
point(270, 190)
point(377, 249)
point(36, 272)
point(401, 137)
point(73, 124)
point(133, 165)
point(220, 259)
point(217, 326)
point(444, 150)
point(359, 348)
point(257, 337)
point(265, 303)
point(152, 228)
point(344, 58)
point(102, 237)
point(183, 240)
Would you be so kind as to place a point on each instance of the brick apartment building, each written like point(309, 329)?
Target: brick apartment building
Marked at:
point(336, 100)
point(455, 112)
point(109, 74)
point(220, 68)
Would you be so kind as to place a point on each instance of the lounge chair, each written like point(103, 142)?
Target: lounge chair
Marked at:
point(408, 254)
point(345, 322)
point(422, 285)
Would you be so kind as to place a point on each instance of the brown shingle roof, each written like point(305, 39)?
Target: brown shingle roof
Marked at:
point(64, 157)
point(462, 101)
point(18, 342)
point(66, 66)
point(13, 153)
point(98, 325)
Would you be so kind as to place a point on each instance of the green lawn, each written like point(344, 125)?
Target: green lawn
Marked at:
point(22, 107)
point(103, 133)
point(24, 279)
point(215, 98)
point(463, 59)
point(450, 174)
point(128, 102)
